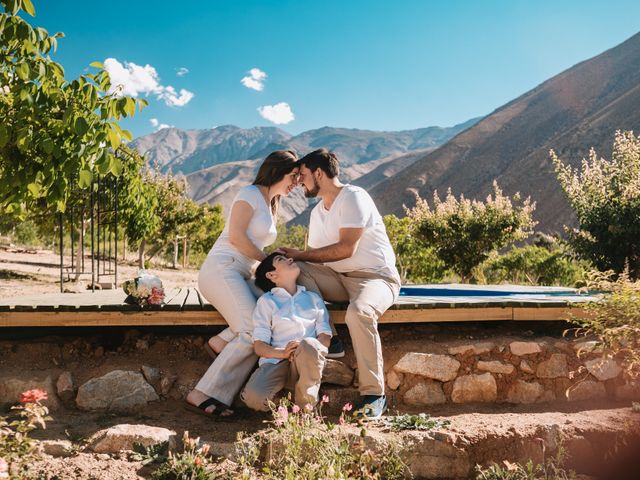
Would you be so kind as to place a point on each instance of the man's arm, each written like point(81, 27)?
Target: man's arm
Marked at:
point(344, 248)
point(265, 350)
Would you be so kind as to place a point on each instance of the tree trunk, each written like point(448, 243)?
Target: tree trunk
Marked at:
point(175, 252)
point(185, 256)
point(141, 253)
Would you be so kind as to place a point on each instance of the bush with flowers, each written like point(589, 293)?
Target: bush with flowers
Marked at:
point(145, 289)
point(193, 462)
point(16, 447)
point(300, 444)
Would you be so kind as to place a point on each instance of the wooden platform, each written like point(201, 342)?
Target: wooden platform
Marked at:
point(186, 306)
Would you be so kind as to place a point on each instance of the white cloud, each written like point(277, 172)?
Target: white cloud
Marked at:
point(132, 80)
point(280, 113)
point(157, 125)
point(182, 71)
point(255, 79)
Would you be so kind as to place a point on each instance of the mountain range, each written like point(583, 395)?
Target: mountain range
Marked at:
point(571, 112)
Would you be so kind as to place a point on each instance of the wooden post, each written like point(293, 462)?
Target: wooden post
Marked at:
point(185, 258)
point(175, 252)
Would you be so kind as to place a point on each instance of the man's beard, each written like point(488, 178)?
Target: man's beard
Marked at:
point(313, 193)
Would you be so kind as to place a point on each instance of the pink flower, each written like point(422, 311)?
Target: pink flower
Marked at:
point(347, 407)
point(33, 396)
point(4, 468)
point(295, 409)
point(282, 415)
point(341, 421)
point(156, 297)
point(325, 399)
point(308, 407)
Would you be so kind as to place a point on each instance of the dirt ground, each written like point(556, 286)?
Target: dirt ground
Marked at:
point(91, 352)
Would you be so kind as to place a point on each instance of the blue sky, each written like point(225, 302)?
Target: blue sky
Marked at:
point(380, 65)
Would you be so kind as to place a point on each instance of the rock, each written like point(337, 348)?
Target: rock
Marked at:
point(56, 448)
point(526, 367)
point(11, 388)
point(475, 388)
point(587, 346)
point(99, 351)
point(393, 380)
point(586, 390)
point(475, 348)
point(547, 396)
point(495, 366)
point(603, 368)
point(142, 344)
point(554, 367)
point(66, 388)
point(629, 391)
point(524, 392)
point(117, 391)
point(337, 373)
point(152, 375)
point(122, 437)
point(432, 458)
point(524, 348)
point(166, 383)
point(438, 367)
point(425, 393)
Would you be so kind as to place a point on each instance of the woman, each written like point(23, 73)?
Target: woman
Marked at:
point(224, 276)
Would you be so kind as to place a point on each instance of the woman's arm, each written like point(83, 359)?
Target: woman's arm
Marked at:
point(241, 214)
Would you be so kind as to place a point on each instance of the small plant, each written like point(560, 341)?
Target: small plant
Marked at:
point(190, 464)
point(421, 421)
point(301, 445)
point(635, 407)
point(614, 320)
point(16, 447)
point(549, 469)
point(157, 453)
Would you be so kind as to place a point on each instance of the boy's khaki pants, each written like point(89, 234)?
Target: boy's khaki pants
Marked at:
point(369, 296)
point(303, 374)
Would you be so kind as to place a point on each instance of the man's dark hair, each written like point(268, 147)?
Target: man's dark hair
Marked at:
point(321, 159)
point(265, 267)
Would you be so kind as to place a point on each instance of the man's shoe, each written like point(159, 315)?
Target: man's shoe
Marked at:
point(336, 349)
point(371, 407)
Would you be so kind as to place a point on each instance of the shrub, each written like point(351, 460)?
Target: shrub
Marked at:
point(615, 319)
point(605, 196)
point(550, 469)
point(464, 232)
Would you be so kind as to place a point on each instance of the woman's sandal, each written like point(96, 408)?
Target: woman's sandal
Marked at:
point(221, 409)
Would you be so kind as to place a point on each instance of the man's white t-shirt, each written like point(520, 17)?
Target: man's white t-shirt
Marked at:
point(354, 208)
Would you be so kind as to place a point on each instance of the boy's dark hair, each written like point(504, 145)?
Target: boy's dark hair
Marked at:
point(265, 267)
point(322, 159)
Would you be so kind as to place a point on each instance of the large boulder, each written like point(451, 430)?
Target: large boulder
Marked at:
point(524, 392)
point(117, 391)
point(475, 388)
point(337, 373)
point(425, 393)
point(12, 387)
point(603, 368)
point(554, 367)
point(122, 437)
point(437, 367)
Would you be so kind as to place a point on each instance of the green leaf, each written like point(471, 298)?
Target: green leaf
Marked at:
point(116, 166)
point(22, 70)
point(34, 188)
point(81, 126)
point(96, 65)
point(84, 181)
point(130, 107)
point(28, 7)
point(114, 139)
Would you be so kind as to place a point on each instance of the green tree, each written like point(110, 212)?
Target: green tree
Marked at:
point(53, 132)
point(464, 232)
point(295, 236)
point(416, 262)
point(605, 196)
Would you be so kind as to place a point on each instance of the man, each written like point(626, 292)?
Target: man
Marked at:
point(351, 259)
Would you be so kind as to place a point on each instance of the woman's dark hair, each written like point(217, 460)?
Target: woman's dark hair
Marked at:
point(322, 159)
point(266, 266)
point(273, 169)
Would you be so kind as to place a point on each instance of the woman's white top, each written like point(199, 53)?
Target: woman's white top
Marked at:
point(261, 229)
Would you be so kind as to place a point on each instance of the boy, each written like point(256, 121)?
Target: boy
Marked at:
point(291, 336)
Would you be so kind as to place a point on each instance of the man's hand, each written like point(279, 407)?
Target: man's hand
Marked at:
point(293, 253)
point(290, 349)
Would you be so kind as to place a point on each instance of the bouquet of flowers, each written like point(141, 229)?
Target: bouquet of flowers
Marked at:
point(145, 289)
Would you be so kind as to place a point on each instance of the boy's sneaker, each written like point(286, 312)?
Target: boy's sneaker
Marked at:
point(371, 407)
point(336, 349)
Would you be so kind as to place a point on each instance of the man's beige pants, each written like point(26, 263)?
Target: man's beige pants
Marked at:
point(303, 374)
point(369, 296)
